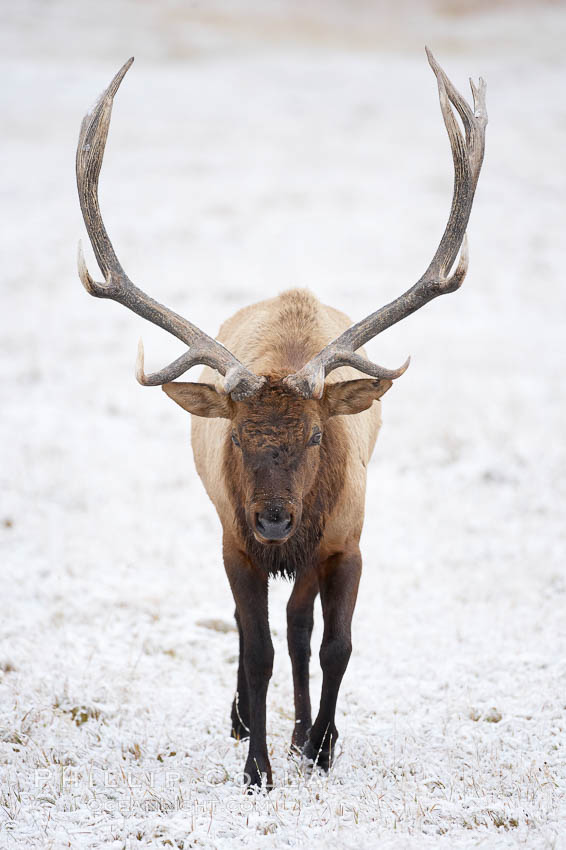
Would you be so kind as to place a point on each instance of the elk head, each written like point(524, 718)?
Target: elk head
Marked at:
point(275, 439)
point(277, 426)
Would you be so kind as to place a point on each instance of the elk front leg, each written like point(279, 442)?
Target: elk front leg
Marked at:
point(339, 578)
point(249, 587)
point(240, 706)
point(299, 630)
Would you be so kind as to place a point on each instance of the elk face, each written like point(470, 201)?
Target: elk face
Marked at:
point(276, 440)
point(275, 443)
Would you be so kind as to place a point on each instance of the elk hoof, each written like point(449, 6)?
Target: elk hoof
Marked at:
point(258, 772)
point(239, 732)
point(299, 738)
point(322, 755)
point(240, 728)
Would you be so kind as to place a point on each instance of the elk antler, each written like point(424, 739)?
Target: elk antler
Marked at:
point(238, 380)
point(467, 155)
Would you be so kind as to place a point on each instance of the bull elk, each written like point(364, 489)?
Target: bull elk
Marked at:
point(282, 432)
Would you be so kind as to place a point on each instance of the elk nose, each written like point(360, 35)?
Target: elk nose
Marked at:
point(274, 522)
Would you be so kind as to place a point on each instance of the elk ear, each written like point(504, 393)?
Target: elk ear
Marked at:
point(200, 399)
point(346, 397)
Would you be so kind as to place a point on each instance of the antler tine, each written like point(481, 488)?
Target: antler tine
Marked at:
point(238, 380)
point(174, 370)
point(467, 155)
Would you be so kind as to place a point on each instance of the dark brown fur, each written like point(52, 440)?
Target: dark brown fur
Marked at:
point(299, 553)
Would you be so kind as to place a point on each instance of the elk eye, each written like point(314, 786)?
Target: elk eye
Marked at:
point(315, 439)
point(235, 439)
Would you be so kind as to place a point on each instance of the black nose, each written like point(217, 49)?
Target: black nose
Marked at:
point(274, 522)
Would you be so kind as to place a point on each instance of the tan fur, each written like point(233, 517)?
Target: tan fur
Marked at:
point(276, 337)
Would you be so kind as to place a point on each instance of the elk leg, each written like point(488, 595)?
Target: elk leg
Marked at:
point(249, 587)
point(240, 706)
point(339, 578)
point(299, 630)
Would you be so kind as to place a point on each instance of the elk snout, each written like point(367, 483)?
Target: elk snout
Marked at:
point(273, 522)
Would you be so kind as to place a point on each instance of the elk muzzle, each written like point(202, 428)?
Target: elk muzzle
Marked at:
point(273, 521)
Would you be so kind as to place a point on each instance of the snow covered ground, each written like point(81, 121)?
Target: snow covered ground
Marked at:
point(256, 147)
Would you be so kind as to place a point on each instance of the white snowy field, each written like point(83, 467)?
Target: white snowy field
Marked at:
point(253, 148)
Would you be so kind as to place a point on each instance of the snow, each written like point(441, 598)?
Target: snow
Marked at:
point(253, 149)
